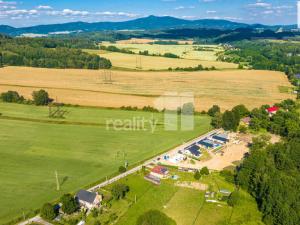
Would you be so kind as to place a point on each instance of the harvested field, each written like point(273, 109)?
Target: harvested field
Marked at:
point(129, 61)
point(87, 87)
point(148, 41)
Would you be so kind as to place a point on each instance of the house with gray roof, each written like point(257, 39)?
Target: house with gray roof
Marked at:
point(88, 199)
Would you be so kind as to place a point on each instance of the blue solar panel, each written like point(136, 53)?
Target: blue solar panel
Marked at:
point(194, 149)
point(206, 143)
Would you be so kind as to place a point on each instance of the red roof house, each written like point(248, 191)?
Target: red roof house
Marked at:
point(273, 110)
point(160, 171)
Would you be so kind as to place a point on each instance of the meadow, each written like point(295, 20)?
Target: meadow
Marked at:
point(89, 87)
point(79, 147)
point(186, 206)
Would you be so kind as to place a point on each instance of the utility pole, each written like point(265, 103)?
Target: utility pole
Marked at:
point(134, 198)
point(57, 182)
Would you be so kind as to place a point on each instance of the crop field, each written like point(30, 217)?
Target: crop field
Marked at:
point(80, 147)
point(140, 62)
point(149, 41)
point(184, 205)
point(90, 88)
point(184, 51)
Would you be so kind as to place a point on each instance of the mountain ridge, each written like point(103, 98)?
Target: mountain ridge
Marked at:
point(145, 23)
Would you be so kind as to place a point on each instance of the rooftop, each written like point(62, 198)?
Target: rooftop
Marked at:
point(86, 196)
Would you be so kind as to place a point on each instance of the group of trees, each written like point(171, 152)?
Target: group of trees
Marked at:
point(39, 98)
point(191, 69)
point(119, 191)
point(47, 54)
point(69, 205)
point(198, 174)
point(230, 119)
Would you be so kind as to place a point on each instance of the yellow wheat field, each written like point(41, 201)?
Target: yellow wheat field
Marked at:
point(93, 88)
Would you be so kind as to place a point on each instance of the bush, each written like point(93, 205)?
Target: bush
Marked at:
point(122, 169)
point(197, 175)
point(155, 217)
point(48, 212)
point(204, 171)
point(69, 204)
point(40, 97)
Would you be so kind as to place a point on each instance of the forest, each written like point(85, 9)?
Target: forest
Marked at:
point(49, 53)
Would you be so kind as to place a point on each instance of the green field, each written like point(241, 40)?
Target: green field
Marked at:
point(80, 148)
point(186, 206)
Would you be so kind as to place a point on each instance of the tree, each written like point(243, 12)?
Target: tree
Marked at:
point(241, 111)
point(69, 204)
point(230, 122)
point(40, 97)
point(243, 129)
point(233, 198)
point(11, 96)
point(217, 120)
point(204, 171)
point(214, 110)
point(197, 175)
point(188, 109)
point(155, 217)
point(119, 191)
point(48, 212)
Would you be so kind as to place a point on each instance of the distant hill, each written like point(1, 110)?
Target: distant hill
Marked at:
point(146, 23)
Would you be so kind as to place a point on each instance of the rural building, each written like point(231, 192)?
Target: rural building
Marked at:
point(193, 150)
point(207, 143)
point(152, 179)
point(160, 172)
point(246, 121)
point(221, 137)
point(272, 110)
point(88, 199)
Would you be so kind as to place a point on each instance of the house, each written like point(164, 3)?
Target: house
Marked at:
point(160, 172)
point(221, 137)
point(272, 110)
point(193, 150)
point(88, 199)
point(207, 143)
point(246, 121)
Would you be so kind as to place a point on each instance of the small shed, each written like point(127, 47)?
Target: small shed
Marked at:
point(88, 199)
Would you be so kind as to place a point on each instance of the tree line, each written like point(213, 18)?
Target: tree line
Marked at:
point(47, 53)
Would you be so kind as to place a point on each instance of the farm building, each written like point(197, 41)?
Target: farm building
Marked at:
point(272, 110)
point(88, 199)
point(160, 172)
point(193, 150)
point(221, 137)
point(152, 179)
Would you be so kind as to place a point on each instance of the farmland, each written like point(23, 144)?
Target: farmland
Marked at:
point(89, 88)
point(79, 147)
point(184, 205)
point(129, 61)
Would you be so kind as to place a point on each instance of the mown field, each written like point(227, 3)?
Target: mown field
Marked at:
point(79, 147)
point(131, 61)
point(89, 87)
point(185, 205)
point(183, 51)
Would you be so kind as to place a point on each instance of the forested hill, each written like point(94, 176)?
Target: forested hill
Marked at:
point(147, 23)
point(49, 53)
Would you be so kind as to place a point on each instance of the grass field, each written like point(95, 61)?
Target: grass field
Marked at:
point(82, 150)
point(186, 206)
point(129, 61)
point(88, 87)
point(184, 51)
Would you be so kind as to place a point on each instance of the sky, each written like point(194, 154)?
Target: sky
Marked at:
point(35, 12)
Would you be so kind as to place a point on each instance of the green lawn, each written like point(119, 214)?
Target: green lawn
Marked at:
point(31, 151)
point(186, 206)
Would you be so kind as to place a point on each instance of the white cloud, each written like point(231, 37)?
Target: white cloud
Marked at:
point(211, 11)
point(184, 7)
point(44, 7)
point(260, 4)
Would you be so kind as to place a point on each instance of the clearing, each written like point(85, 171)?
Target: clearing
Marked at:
point(91, 87)
point(80, 147)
